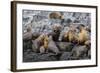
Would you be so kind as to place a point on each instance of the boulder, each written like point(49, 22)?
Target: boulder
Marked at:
point(38, 57)
point(47, 57)
point(65, 56)
point(65, 46)
point(27, 44)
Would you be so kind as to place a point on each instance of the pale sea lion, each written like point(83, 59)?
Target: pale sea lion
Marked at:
point(37, 43)
point(28, 35)
point(52, 46)
point(83, 35)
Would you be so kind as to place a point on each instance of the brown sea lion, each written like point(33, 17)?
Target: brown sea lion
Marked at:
point(55, 15)
point(44, 47)
point(71, 35)
point(56, 29)
point(83, 35)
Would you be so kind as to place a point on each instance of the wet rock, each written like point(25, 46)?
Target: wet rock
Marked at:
point(30, 57)
point(47, 57)
point(74, 58)
point(36, 57)
point(65, 46)
point(65, 56)
point(27, 44)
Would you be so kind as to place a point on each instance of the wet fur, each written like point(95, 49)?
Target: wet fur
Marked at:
point(82, 36)
point(56, 15)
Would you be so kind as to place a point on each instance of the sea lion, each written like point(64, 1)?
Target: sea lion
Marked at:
point(83, 35)
point(37, 43)
point(46, 41)
point(56, 29)
point(71, 35)
point(52, 46)
point(28, 35)
point(44, 47)
point(88, 44)
point(55, 15)
point(79, 52)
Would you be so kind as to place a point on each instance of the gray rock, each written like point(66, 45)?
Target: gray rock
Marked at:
point(27, 45)
point(89, 54)
point(65, 56)
point(30, 57)
point(65, 46)
point(46, 57)
point(36, 57)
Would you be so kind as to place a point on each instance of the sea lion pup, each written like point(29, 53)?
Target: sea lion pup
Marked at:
point(83, 35)
point(28, 34)
point(37, 43)
point(55, 15)
point(71, 35)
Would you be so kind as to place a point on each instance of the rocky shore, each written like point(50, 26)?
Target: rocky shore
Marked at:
point(36, 23)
